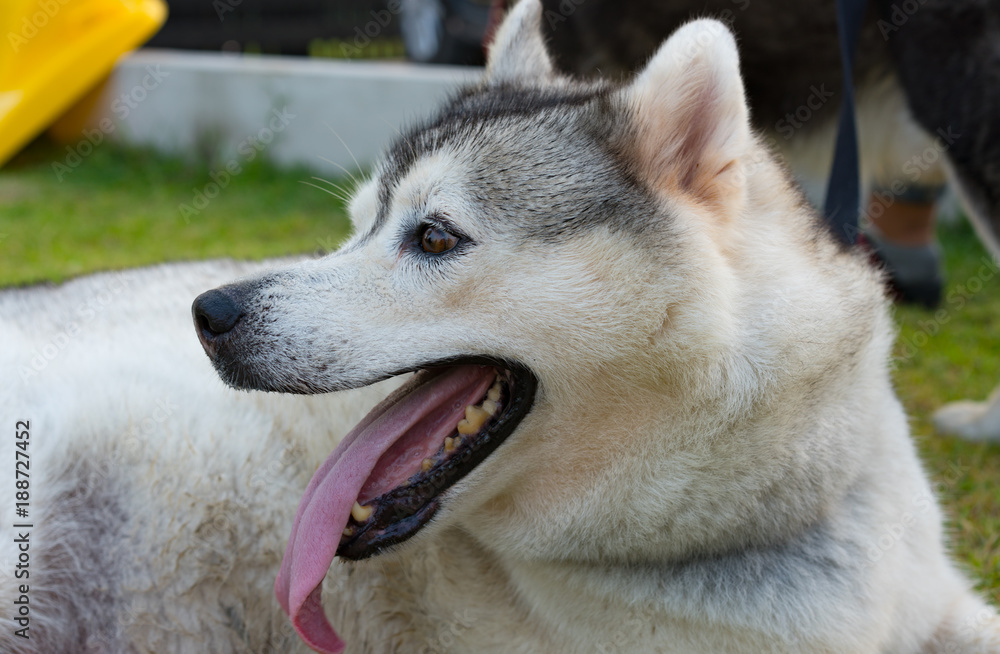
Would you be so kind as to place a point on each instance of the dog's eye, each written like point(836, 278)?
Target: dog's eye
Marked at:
point(437, 241)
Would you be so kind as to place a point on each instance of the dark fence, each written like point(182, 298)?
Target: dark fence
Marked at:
point(270, 26)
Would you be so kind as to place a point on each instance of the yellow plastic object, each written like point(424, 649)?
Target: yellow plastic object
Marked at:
point(54, 51)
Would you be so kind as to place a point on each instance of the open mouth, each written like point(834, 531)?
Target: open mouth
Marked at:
point(451, 436)
point(385, 479)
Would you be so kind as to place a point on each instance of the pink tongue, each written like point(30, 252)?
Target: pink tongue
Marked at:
point(326, 505)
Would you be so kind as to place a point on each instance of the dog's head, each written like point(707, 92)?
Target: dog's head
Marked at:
point(563, 264)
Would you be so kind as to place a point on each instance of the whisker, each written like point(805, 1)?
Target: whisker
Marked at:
point(346, 148)
point(334, 185)
point(406, 140)
point(349, 174)
point(325, 190)
point(392, 127)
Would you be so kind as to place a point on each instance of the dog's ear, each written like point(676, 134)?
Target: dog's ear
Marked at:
point(518, 53)
point(691, 120)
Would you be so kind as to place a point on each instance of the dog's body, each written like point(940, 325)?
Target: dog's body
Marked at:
point(714, 460)
point(160, 498)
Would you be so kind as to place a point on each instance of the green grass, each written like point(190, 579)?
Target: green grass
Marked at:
point(379, 48)
point(949, 355)
point(120, 208)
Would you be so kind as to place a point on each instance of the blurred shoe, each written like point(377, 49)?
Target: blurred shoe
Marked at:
point(914, 271)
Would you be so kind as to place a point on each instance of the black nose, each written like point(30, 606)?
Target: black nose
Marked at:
point(215, 313)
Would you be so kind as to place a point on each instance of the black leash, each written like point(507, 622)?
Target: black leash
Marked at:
point(843, 189)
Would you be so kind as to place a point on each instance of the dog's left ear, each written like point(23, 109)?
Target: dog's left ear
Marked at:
point(518, 53)
point(691, 121)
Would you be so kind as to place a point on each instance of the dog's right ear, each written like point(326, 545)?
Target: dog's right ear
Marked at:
point(518, 53)
point(691, 122)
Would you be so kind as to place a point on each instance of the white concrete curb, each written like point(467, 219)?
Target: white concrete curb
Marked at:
point(289, 110)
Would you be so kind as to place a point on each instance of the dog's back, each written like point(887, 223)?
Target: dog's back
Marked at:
point(158, 498)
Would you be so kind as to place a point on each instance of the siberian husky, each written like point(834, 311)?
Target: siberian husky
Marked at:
point(636, 400)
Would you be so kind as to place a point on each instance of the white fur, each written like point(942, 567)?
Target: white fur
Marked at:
point(712, 464)
point(161, 499)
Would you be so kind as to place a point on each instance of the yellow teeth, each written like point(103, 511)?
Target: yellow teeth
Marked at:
point(361, 513)
point(474, 418)
point(451, 443)
point(427, 464)
point(348, 531)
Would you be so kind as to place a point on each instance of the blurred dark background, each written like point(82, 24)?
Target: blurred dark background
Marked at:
point(430, 31)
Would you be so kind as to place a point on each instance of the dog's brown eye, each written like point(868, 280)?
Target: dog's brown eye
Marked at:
point(437, 241)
